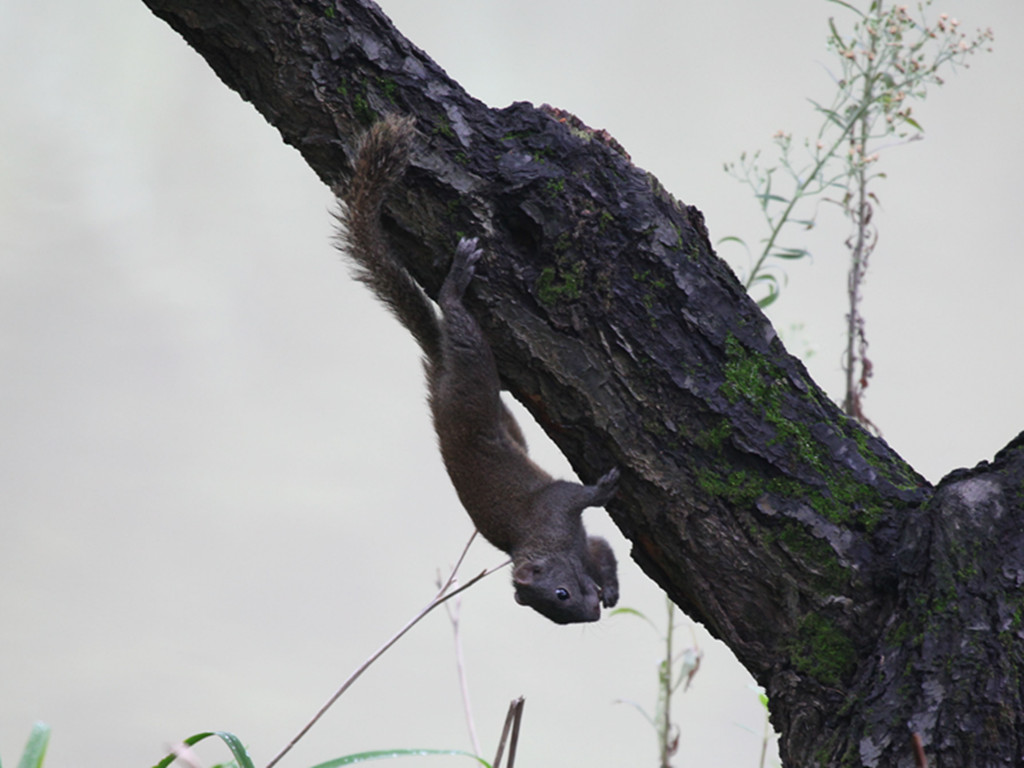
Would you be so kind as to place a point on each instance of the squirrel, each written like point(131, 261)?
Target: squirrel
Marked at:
point(557, 570)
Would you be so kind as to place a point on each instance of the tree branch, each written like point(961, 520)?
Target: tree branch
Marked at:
point(762, 510)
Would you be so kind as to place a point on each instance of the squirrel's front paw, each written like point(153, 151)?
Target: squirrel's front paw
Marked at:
point(609, 595)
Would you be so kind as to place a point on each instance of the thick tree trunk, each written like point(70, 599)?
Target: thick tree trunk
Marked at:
point(875, 609)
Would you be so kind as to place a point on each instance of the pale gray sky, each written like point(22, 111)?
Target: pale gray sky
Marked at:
point(219, 486)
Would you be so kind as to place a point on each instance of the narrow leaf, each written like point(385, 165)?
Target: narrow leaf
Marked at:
point(388, 754)
point(35, 747)
point(791, 253)
point(832, 115)
point(731, 239)
point(639, 709)
point(237, 749)
point(847, 5)
point(634, 612)
point(773, 291)
point(232, 742)
point(629, 612)
point(835, 32)
point(764, 277)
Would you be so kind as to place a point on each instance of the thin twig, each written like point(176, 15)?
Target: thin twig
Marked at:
point(512, 718)
point(504, 737)
point(518, 707)
point(454, 609)
point(443, 595)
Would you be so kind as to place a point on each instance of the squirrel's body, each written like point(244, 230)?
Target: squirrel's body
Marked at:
point(516, 505)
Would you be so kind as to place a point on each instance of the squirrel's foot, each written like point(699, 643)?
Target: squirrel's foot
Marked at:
point(606, 487)
point(467, 254)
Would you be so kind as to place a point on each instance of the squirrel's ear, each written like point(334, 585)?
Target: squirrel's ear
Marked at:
point(525, 573)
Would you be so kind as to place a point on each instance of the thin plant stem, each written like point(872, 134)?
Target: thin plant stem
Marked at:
point(442, 595)
point(512, 719)
point(854, 281)
point(765, 739)
point(665, 747)
point(514, 741)
point(454, 609)
point(860, 215)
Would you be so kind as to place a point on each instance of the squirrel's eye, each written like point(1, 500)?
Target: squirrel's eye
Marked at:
point(562, 593)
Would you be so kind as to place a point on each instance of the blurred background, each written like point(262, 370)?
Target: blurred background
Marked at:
point(219, 488)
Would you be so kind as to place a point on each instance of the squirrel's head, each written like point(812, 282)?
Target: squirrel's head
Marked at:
point(558, 588)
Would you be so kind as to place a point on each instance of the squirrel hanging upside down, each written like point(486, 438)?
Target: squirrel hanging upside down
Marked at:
point(556, 568)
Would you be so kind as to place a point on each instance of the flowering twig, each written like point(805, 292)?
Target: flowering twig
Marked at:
point(887, 60)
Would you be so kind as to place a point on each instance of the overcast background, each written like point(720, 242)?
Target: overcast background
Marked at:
point(219, 490)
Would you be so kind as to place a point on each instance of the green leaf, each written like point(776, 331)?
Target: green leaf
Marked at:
point(791, 253)
point(764, 277)
point(35, 747)
point(629, 612)
point(831, 114)
point(236, 747)
point(731, 239)
point(387, 754)
point(626, 611)
point(912, 122)
point(772, 284)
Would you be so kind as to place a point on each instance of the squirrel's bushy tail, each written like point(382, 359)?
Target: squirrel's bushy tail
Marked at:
point(380, 161)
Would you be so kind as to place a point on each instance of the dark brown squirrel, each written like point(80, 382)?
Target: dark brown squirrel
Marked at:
point(557, 569)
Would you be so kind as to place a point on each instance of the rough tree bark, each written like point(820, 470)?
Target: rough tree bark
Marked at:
point(875, 609)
